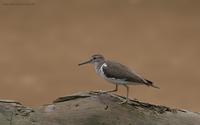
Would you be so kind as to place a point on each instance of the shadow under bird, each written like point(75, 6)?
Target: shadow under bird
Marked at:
point(117, 74)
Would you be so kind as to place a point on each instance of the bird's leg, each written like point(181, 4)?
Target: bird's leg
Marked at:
point(116, 88)
point(127, 93)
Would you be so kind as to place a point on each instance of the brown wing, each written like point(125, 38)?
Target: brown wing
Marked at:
point(119, 71)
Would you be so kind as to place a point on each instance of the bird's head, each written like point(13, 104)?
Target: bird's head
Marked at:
point(97, 58)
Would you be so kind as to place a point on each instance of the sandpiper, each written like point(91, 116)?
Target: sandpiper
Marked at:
point(117, 74)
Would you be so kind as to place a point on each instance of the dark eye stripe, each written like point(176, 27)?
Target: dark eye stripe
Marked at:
point(97, 56)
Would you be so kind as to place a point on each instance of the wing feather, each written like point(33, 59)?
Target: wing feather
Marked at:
point(119, 71)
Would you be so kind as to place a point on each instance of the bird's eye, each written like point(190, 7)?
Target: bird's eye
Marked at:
point(94, 58)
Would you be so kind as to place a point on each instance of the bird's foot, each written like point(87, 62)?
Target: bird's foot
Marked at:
point(102, 92)
point(105, 92)
point(99, 92)
point(110, 91)
point(123, 102)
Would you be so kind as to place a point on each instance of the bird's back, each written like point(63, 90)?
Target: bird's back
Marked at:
point(114, 70)
point(119, 71)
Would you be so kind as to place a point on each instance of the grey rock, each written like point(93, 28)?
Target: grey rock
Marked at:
point(94, 108)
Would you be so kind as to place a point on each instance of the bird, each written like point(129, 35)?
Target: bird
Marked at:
point(117, 74)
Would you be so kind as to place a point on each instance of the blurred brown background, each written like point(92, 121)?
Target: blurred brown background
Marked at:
point(41, 43)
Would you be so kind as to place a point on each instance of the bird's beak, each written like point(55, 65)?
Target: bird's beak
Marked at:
point(86, 62)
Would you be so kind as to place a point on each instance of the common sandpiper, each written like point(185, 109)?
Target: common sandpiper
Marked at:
point(117, 74)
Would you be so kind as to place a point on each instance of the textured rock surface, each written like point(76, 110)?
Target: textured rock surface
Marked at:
point(94, 108)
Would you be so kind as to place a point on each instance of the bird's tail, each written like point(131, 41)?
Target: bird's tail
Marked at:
point(150, 83)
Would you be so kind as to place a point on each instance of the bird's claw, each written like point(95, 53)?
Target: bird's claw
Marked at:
point(123, 102)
